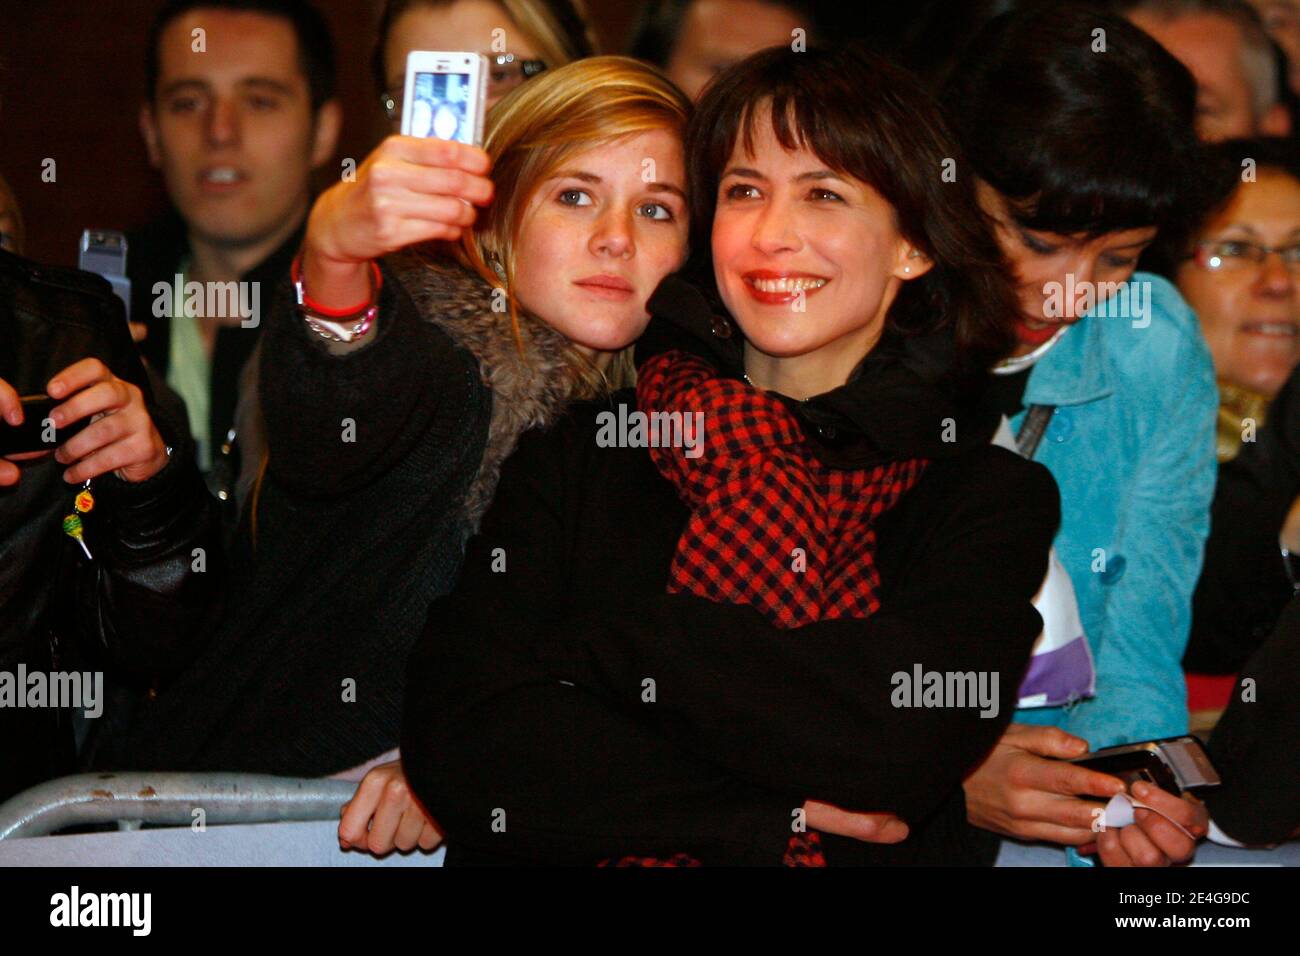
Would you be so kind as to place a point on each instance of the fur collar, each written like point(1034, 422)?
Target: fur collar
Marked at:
point(529, 389)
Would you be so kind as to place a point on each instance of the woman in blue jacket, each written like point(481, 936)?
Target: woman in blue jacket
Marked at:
point(1090, 154)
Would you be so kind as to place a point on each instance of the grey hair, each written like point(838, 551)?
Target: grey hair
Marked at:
point(1258, 57)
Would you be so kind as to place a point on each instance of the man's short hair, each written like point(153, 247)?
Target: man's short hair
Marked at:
point(1258, 56)
point(315, 45)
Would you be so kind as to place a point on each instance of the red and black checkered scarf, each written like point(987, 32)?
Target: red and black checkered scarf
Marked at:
point(770, 526)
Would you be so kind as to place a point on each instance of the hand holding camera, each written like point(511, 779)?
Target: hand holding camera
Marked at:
point(417, 187)
point(407, 191)
point(97, 421)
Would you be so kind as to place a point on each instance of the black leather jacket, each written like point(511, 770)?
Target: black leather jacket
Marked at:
point(121, 612)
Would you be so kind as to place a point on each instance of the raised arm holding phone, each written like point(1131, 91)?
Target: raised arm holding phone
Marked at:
point(396, 386)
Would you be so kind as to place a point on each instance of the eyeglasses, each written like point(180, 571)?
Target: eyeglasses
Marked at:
point(1235, 255)
point(504, 74)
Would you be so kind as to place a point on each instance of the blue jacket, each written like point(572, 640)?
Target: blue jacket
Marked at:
point(1131, 446)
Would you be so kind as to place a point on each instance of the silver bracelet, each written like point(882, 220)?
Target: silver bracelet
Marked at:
point(338, 331)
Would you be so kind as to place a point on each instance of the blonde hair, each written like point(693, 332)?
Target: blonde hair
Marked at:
point(555, 44)
point(530, 134)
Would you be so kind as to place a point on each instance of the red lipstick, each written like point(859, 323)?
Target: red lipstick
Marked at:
point(772, 287)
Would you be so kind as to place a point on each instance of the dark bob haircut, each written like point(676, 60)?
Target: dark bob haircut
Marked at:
point(315, 45)
point(870, 120)
point(1081, 121)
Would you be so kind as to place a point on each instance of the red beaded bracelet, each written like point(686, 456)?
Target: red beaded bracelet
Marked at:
point(295, 276)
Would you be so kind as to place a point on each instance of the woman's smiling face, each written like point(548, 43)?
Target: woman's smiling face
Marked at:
point(807, 260)
point(1249, 312)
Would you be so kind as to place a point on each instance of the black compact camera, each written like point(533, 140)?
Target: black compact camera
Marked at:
point(1173, 764)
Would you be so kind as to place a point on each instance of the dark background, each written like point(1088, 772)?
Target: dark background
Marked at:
point(71, 84)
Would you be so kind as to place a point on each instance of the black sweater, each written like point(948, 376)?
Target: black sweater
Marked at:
point(299, 670)
point(527, 703)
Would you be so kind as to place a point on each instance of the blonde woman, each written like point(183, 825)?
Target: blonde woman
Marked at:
point(395, 390)
point(520, 38)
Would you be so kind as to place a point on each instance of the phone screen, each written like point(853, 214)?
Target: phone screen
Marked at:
point(103, 251)
point(440, 107)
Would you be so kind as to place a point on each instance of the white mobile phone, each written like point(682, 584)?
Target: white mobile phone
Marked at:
point(445, 96)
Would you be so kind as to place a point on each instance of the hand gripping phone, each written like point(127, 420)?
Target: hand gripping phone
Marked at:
point(32, 434)
point(1173, 764)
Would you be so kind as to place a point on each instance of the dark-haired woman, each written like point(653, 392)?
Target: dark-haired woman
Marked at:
point(818, 598)
point(1079, 130)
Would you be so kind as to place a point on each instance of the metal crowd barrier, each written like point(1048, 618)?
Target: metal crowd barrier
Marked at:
point(169, 799)
point(287, 821)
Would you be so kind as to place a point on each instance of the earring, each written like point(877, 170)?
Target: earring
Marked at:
point(907, 269)
point(497, 267)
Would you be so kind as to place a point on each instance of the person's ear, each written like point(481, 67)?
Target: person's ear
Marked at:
point(912, 263)
point(325, 136)
point(149, 131)
point(1276, 121)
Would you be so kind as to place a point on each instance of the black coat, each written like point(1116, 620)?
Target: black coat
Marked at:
point(59, 611)
point(1243, 585)
point(1246, 620)
point(528, 734)
point(1256, 743)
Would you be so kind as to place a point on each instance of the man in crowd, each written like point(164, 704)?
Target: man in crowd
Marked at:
point(241, 110)
point(1224, 45)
